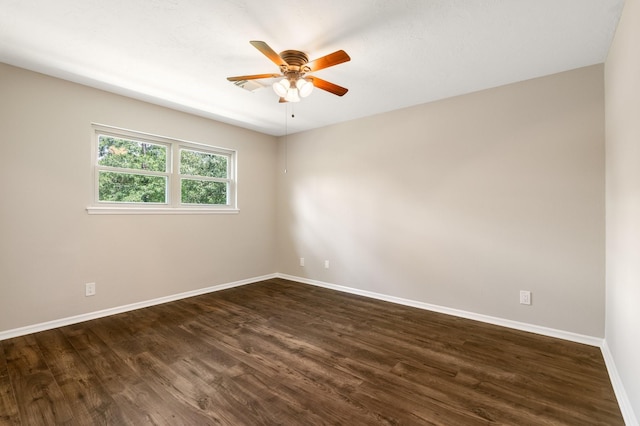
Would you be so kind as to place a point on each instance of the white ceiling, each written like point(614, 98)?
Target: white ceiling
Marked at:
point(178, 53)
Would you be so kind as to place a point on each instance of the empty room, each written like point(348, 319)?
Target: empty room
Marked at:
point(367, 212)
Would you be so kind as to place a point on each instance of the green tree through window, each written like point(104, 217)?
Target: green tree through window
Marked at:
point(120, 186)
point(197, 167)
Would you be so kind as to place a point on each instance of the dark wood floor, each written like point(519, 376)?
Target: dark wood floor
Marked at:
point(279, 352)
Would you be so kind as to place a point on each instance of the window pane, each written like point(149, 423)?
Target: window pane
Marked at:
point(131, 188)
point(196, 163)
point(128, 154)
point(203, 192)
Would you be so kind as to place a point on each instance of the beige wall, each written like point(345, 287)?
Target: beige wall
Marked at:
point(622, 84)
point(460, 203)
point(50, 246)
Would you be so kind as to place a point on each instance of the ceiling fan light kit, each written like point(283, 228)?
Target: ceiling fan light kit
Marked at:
point(292, 95)
point(281, 87)
point(304, 87)
point(294, 66)
point(293, 90)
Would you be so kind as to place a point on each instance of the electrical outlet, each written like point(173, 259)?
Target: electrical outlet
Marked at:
point(90, 289)
point(302, 261)
point(326, 264)
point(525, 297)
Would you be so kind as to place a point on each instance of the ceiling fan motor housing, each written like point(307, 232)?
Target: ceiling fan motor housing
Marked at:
point(296, 60)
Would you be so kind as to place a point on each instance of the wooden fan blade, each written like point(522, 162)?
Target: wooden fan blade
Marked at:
point(329, 87)
point(253, 77)
point(330, 60)
point(282, 100)
point(269, 53)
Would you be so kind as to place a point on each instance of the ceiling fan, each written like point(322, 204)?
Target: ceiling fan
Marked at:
point(294, 69)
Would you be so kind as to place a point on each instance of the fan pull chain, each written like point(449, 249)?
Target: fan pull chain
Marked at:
point(286, 135)
point(286, 131)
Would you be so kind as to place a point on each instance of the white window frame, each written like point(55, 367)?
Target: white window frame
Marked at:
point(173, 203)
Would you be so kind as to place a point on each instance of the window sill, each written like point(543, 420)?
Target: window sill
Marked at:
point(159, 210)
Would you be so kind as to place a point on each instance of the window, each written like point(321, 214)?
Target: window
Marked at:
point(203, 177)
point(141, 173)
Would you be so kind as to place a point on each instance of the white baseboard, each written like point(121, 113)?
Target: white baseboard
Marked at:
point(589, 340)
point(120, 309)
point(545, 331)
point(623, 399)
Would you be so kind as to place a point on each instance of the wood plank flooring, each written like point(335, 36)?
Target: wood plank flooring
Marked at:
point(284, 353)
